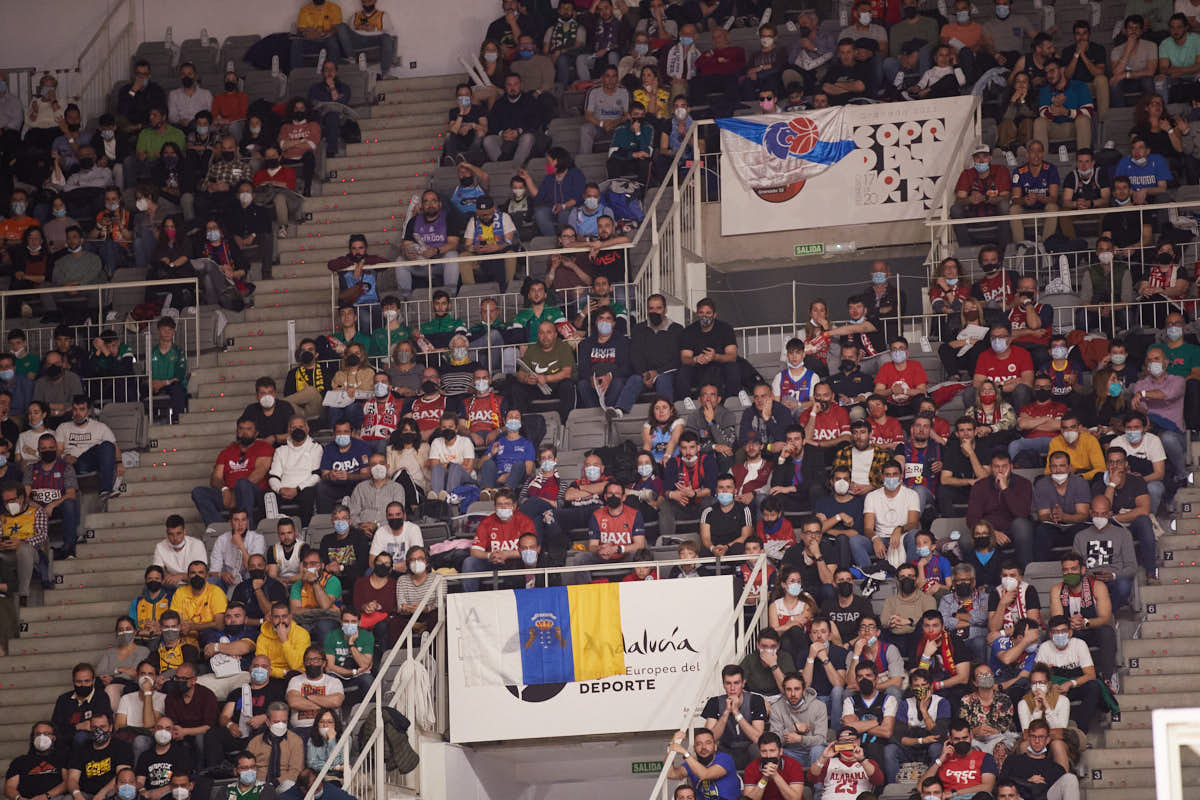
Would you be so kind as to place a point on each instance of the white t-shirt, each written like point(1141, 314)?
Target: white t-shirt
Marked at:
point(1075, 656)
point(227, 558)
point(176, 561)
point(131, 707)
point(325, 685)
point(860, 465)
point(1186, 8)
point(395, 544)
point(78, 439)
point(456, 453)
point(1150, 447)
point(27, 443)
point(891, 512)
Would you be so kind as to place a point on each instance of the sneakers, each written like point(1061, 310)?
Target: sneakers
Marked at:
point(1010, 159)
point(744, 398)
point(274, 66)
point(487, 495)
point(1062, 153)
point(612, 412)
point(283, 232)
point(362, 62)
point(452, 498)
point(321, 60)
point(210, 531)
point(689, 404)
point(1114, 683)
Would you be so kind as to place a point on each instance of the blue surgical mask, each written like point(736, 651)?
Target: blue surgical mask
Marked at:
point(645, 470)
point(529, 557)
point(891, 483)
point(952, 281)
point(342, 440)
point(1002, 12)
point(1134, 437)
point(1060, 639)
point(349, 628)
point(1174, 333)
point(18, 208)
point(984, 167)
point(59, 213)
point(963, 17)
point(126, 791)
point(1058, 353)
point(246, 777)
point(341, 525)
point(686, 41)
point(795, 589)
point(899, 356)
point(725, 498)
point(548, 465)
point(604, 327)
point(1114, 390)
point(641, 48)
point(999, 345)
point(878, 277)
point(526, 54)
point(213, 236)
point(7, 375)
point(513, 425)
point(922, 552)
point(1030, 749)
point(591, 203)
point(1141, 162)
point(592, 473)
point(259, 674)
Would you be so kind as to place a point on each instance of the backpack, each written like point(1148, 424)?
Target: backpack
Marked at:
point(621, 195)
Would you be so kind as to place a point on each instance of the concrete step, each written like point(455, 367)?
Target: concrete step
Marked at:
point(1138, 778)
point(273, 356)
point(318, 254)
point(1180, 574)
point(225, 374)
point(430, 106)
point(147, 534)
point(328, 231)
point(23, 716)
point(1171, 593)
point(397, 85)
point(102, 608)
point(363, 164)
point(269, 342)
point(1173, 611)
point(79, 647)
point(1139, 684)
point(393, 118)
point(1158, 629)
point(1129, 737)
point(420, 94)
point(396, 187)
point(71, 625)
point(122, 514)
point(1129, 757)
point(1123, 793)
point(1152, 666)
point(139, 550)
point(1183, 542)
point(155, 466)
point(290, 285)
point(397, 142)
point(1151, 701)
point(395, 199)
point(45, 675)
point(401, 169)
point(44, 695)
point(279, 313)
point(336, 241)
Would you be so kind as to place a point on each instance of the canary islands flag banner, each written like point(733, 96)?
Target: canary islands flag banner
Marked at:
point(833, 166)
point(594, 658)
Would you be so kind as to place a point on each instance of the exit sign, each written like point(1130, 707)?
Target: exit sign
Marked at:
point(647, 767)
point(809, 250)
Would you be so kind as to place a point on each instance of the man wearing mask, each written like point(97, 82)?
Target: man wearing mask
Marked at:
point(74, 710)
point(496, 540)
point(269, 413)
point(200, 604)
point(1060, 500)
point(605, 368)
point(844, 764)
point(870, 712)
point(295, 469)
point(369, 504)
point(244, 712)
point(965, 610)
point(228, 651)
point(189, 99)
point(1183, 359)
point(801, 719)
point(1161, 397)
point(194, 709)
point(278, 752)
point(367, 28)
point(39, 771)
point(1031, 322)
point(510, 458)
point(1108, 549)
point(356, 284)
point(312, 692)
point(349, 651)
point(615, 532)
point(25, 527)
point(238, 478)
point(983, 190)
point(709, 353)
point(1066, 652)
point(396, 535)
point(706, 770)
point(963, 771)
point(217, 190)
point(903, 610)
point(547, 368)
point(52, 487)
point(95, 763)
point(57, 387)
point(258, 592)
point(1009, 368)
point(997, 288)
point(347, 547)
point(343, 467)
point(1039, 422)
point(1034, 768)
point(386, 336)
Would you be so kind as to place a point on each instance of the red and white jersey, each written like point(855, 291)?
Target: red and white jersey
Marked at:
point(997, 289)
point(483, 413)
point(619, 530)
point(427, 413)
point(847, 781)
point(828, 425)
point(380, 418)
point(1160, 277)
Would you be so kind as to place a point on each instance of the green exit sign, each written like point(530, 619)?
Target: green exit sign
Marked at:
point(809, 250)
point(647, 767)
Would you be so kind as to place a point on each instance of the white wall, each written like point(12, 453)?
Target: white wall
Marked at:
point(52, 34)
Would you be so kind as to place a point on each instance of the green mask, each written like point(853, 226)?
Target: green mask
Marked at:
point(1072, 579)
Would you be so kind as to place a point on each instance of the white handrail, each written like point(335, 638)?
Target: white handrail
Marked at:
point(105, 58)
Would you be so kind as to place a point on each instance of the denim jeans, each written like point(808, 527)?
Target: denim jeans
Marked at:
point(489, 474)
point(622, 393)
point(447, 477)
point(68, 512)
point(300, 47)
point(351, 43)
point(1038, 445)
point(546, 219)
point(352, 413)
point(208, 501)
point(1143, 536)
point(100, 458)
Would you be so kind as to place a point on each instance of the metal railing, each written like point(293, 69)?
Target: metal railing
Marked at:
point(105, 59)
point(364, 773)
point(139, 336)
point(21, 83)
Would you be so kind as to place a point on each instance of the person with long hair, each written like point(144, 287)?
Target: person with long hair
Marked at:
point(661, 430)
point(318, 751)
point(1015, 128)
point(407, 456)
point(995, 419)
point(792, 610)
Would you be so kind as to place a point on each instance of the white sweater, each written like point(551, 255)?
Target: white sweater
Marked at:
point(295, 466)
point(176, 561)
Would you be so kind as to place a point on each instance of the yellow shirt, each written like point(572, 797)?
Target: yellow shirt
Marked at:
point(198, 609)
point(1087, 458)
point(323, 17)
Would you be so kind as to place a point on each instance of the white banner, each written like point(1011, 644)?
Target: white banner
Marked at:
point(849, 165)
point(669, 635)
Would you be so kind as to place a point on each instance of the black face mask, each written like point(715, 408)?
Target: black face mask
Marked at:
point(847, 366)
point(395, 523)
point(48, 456)
point(272, 163)
point(307, 356)
point(230, 86)
point(187, 82)
point(83, 691)
point(866, 686)
point(258, 574)
point(429, 387)
point(845, 588)
point(299, 116)
point(313, 671)
point(982, 542)
point(246, 441)
point(907, 585)
point(352, 361)
point(989, 268)
point(197, 583)
point(962, 748)
point(963, 589)
point(466, 181)
point(1041, 395)
point(54, 371)
point(298, 435)
point(381, 570)
point(228, 156)
point(87, 163)
point(1165, 259)
point(175, 687)
point(153, 587)
point(613, 502)
point(909, 12)
point(655, 318)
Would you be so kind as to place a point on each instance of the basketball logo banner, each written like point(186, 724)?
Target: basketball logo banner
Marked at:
point(878, 162)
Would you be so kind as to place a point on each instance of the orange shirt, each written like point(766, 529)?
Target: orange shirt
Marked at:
point(13, 229)
point(231, 105)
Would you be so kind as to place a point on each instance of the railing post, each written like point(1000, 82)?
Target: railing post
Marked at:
point(149, 384)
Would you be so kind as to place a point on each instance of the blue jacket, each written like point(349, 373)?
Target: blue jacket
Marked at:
point(551, 190)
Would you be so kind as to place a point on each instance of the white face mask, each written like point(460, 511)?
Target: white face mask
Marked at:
point(681, 113)
point(1059, 478)
point(13, 508)
point(245, 199)
point(417, 567)
point(278, 728)
point(1071, 437)
point(1099, 522)
point(864, 18)
point(379, 472)
point(267, 401)
point(841, 486)
point(1105, 257)
point(42, 742)
point(162, 736)
point(142, 204)
point(1008, 583)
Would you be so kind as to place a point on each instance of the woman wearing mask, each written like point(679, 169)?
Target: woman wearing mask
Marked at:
point(661, 430)
point(1107, 279)
point(1106, 412)
point(30, 269)
point(44, 115)
point(375, 598)
point(816, 338)
point(173, 181)
point(318, 751)
point(494, 69)
point(169, 261)
point(257, 135)
point(411, 589)
point(559, 192)
point(116, 667)
point(949, 291)
point(299, 139)
point(1015, 127)
point(544, 493)
point(407, 459)
point(989, 712)
point(983, 555)
point(276, 184)
point(113, 236)
point(357, 378)
point(55, 229)
point(404, 372)
point(221, 251)
point(519, 206)
point(956, 337)
point(792, 610)
point(675, 136)
point(995, 420)
point(468, 125)
point(1044, 701)
point(229, 107)
point(638, 57)
point(654, 97)
point(564, 272)
point(645, 493)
